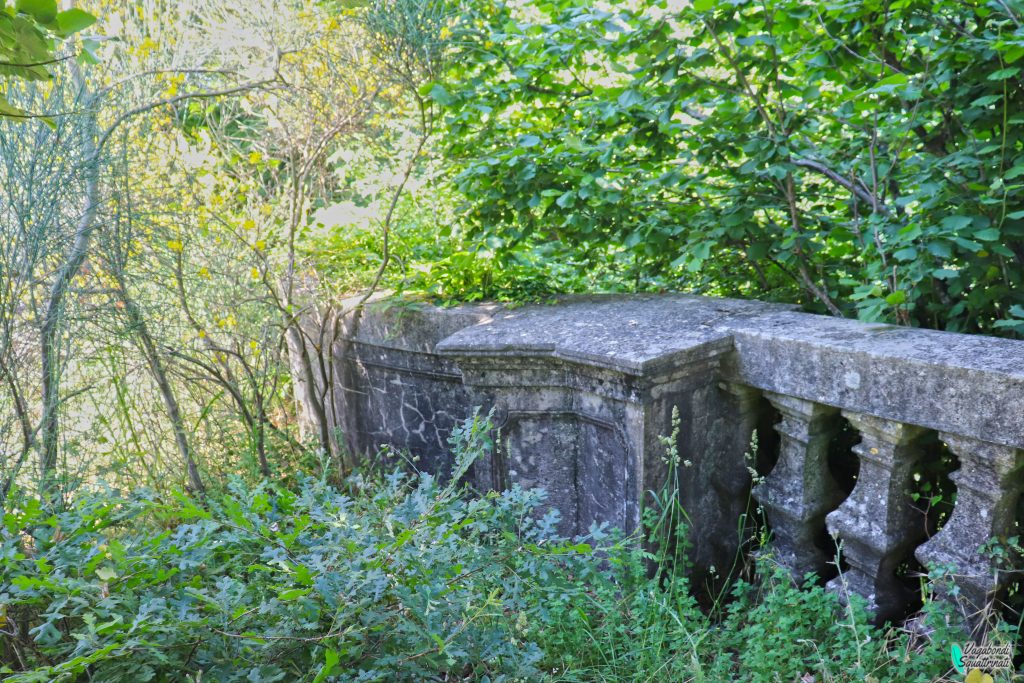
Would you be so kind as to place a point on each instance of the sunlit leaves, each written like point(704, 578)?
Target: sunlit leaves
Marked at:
point(823, 168)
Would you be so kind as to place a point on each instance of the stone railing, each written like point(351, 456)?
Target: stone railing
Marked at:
point(584, 389)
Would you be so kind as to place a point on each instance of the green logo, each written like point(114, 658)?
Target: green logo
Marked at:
point(958, 658)
point(975, 660)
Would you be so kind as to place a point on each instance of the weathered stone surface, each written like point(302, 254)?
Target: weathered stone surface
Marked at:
point(390, 387)
point(588, 388)
point(878, 525)
point(583, 391)
point(964, 384)
point(800, 490)
point(989, 485)
point(634, 334)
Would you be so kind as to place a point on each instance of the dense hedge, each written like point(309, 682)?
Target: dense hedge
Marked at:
point(865, 157)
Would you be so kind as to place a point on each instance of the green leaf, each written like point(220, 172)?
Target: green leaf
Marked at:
point(988, 235)
point(43, 11)
point(896, 298)
point(630, 98)
point(1003, 74)
point(986, 100)
point(1013, 54)
point(704, 5)
point(74, 20)
point(529, 141)
point(8, 110)
point(969, 245)
point(956, 223)
point(891, 83)
point(292, 594)
point(1014, 172)
point(437, 92)
point(331, 659)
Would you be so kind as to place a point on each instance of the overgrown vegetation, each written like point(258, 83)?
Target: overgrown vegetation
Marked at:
point(861, 158)
point(403, 578)
point(182, 184)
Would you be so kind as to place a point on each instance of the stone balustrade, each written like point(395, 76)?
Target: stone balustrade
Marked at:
point(583, 390)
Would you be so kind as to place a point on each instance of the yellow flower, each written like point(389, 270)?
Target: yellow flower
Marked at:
point(976, 676)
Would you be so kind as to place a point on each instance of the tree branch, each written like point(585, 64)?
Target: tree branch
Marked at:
point(855, 188)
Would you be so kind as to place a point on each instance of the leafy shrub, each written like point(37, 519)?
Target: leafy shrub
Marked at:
point(863, 158)
point(402, 578)
point(431, 251)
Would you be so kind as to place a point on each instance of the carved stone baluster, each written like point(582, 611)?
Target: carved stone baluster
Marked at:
point(878, 524)
point(800, 490)
point(988, 485)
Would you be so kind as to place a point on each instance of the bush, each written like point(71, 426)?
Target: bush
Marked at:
point(864, 158)
point(402, 578)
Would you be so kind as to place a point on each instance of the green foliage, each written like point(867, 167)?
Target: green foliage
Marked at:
point(864, 157)
point(433, 253)
point(403, 578)
point(29, 31)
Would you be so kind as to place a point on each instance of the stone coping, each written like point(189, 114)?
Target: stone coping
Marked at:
point(633, 334)
point(971, 385)
point(955, 383)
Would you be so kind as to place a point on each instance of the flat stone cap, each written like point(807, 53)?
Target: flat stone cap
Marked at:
point(634, 334)
point(396, 323)
point(964, 384)
point(950, 350)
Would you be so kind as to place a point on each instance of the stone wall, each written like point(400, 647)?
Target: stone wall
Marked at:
point(584, 389)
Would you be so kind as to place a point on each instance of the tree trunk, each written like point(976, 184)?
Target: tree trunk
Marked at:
point(159, 372)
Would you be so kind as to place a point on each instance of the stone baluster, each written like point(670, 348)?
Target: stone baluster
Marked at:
point(878, 524)
point(989, 483)
point(800, 490)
